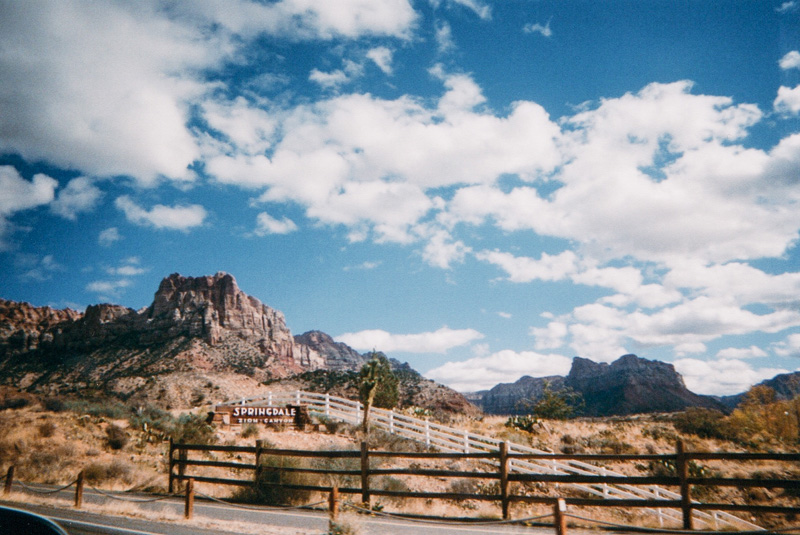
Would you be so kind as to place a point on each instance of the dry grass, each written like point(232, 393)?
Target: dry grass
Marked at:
point(52, 447)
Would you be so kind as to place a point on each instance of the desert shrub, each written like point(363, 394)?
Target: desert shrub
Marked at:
point(250, 431)
point(193, 429)
point(102, 472)
point(271, 483)
point(341, 463)
point(345, 525)
point(14, 403)
point(54, 404)
point(527, 423)
point(607, 441)
point(385, 441)
point(47, 429)
point(393, 484)
point(463, 486)
point(704, 423)
point(116, 437)
point(106, 408)
point(660, 432)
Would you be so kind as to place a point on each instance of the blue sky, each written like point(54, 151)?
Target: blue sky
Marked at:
point(484, 189)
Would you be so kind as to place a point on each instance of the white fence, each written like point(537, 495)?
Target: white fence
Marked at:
point(449, 439)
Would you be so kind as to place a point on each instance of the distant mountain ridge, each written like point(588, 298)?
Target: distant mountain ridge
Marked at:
point(629, 385)
point(202, 340)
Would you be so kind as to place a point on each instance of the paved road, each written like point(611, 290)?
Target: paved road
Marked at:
point(212, 518)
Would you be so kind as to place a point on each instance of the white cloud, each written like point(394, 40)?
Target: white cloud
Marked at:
point(80, 195)
point(444, 37)
point(18, 194)
point(382, 57)
point(544, 30)
point(439, 341)
point(787, 7)
point(442, 251)
point(108, 288)
point(721, 377)
point(109, 236)
point(523, 269)
point(36, 269)
point(107, 88)
point(329, 80)
point(739, 353)
point(506, 366)
point(788, 100)
point(790, 61)
point(162, 217)
point(790, 347)
point(479, 8)
point(551, 337)
point(266, 224)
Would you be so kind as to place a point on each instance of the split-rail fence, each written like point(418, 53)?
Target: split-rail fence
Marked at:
point(524, 462)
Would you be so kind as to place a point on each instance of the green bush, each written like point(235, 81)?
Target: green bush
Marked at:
point(526, 423)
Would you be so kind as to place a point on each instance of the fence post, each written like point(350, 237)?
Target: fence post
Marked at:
point(79, 491)
point(504, 502)
point(391, 421)
point(183, 455)
point(9, 479)
point(365, 474)
point(427, 433)
point(297, 398)
point(327, 404)
point(466, 441)
point(682, 468)
point(259, 468)
point(171, 466)
point(333, 503)
point(559, 518)
point(189, 509)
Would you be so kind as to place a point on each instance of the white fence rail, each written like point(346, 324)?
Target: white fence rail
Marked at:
point(450, 439)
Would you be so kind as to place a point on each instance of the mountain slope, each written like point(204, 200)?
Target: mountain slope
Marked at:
point(629, 385)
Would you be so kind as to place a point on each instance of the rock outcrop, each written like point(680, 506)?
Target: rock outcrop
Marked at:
point(338, 356)
point(629, 385)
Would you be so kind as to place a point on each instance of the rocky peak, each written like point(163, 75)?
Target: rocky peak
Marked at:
point(338, 356)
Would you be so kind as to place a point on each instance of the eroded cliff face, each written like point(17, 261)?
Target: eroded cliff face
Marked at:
point(204, 324)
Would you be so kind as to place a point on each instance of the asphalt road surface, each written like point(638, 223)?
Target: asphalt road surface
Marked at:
point(213, 518)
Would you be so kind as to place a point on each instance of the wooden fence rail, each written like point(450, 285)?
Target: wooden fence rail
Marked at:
point(498, 471)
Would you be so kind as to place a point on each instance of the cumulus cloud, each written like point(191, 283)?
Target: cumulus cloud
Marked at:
point(522, 269)
point(788, 100)
point(722, 377)
point(739, 353)
point(160, 216)
point(109, 236)
point(382, 57)
point(18, 194)
point(266, 224)
point(439, 341)
point(79, 195)
point(480, 373)
point(790, 61)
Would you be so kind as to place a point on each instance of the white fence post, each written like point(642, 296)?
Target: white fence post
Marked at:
point(327, 404)
point(297, 398)
point(391, 422)
point(466, 441)
point(427, 432)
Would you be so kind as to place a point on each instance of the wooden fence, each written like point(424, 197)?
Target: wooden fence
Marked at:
point(500, 460)
point(450, 439)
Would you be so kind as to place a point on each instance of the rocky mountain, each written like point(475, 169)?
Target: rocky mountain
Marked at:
point(785, 385)
point(202, 340)
point(630, 385)
point(338, 356)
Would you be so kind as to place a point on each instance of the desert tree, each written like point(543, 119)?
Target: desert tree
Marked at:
point(377, 385)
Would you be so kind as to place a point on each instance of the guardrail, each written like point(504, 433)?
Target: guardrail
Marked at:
point(362, 470)
point(449, 439)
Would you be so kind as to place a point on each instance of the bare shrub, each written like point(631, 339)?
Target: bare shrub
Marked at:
point(117, 437)
point(47, 429)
